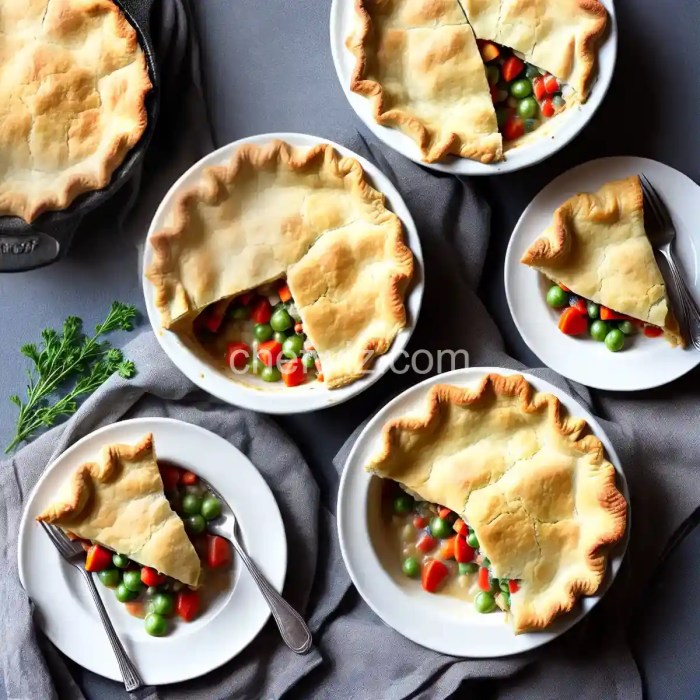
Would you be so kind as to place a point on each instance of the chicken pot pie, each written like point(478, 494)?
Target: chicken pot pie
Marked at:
point(421, 63)
point(73, 84)
point(532, 489)
point(305, 215)
point(597, 249)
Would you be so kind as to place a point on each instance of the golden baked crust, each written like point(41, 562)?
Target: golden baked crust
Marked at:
point(417, 60)
point(597, 247)
point(561, 36)
point(309, 214)
point(73, 83)
point(530, 479)
point(119, 502)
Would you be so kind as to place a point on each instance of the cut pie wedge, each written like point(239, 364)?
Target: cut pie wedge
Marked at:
point(119, 503)
point(531, 481)
point(597, 247)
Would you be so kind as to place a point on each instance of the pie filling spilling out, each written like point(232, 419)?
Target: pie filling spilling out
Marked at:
point(296, 241)
point(504, 497)
point(73, 84)
point(451, 73)
point(143, 525)
point(605, 277)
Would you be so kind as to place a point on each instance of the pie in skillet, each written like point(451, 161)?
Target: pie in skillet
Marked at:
point(530, 481)
point(119, 503)
point(598, 248)
point(307, 214)
point(73, 81)
point(451, 73)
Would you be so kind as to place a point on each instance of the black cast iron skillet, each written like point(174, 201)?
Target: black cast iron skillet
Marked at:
point(26, 246)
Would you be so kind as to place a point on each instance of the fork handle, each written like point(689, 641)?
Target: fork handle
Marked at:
point(295, 633)
point(132, 680)
point(690, 308)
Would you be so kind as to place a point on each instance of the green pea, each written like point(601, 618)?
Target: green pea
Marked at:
point(211, 508)
point(557, 298)
point(239, 313)
point(132, 580)
point(627, 327)
point(281, 320)
point(403, 504)
point(155, 625)
point(256, 365)
point(152, 590)
point(196, 524)
point(262, 332)
point(270, 374)
point(469, 568)
point(484, 602)
point(191, 504)
point(120, 561)
point(531, 72)
point(124, 594)
point(308, 360)
point(593, 310)
point(440, 528)
point(110, 577)
point(615, 340)
point(279, 337)
point(599, 330)
point(501, 116)
point(472, 541)
point(492, 74)
point(292, 346)
point(503, 585)
point(411, 567)
point(163, 604)
point(521, 88)
point(528, 108)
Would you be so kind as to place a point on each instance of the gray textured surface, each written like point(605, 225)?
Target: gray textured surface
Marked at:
point(270, 70)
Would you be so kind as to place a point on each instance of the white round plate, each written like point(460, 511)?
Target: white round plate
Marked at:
point(251, 392)
point(568, 125)
point(439, 622)
point(645, 362)
point(65, 610)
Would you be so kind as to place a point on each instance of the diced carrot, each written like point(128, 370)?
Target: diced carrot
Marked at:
point(419, 522)
point(444, 513)
point(98, 558)
point(189, 478)
point(580, 306)
point(512, 68)
point(460, 527)
point(187, 604)
point(447, 548)
point(269, 352)
point(652, 331)
point(551, 85)
point(547, 108)
point(426, 544)
point(293, 372)
point(607, 314)
point(284, 293)
point(489, 51)
point(484, 582)
point(319, 377)
point(538, 88)
point(571, 322)
point(564, 287)
point(434, 573)
point(463, 552)
point(513, 586)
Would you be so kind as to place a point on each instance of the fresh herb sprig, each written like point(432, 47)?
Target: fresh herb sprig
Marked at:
point(69, 361)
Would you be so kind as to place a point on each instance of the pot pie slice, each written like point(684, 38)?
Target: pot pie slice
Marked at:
point(418, 62)
point(560, 36)
point(531, 481)
point(307, 214)
point(597, 247)
point(119, 502)
point(73, 84)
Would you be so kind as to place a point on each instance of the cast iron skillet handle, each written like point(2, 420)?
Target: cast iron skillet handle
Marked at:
point(27, 250)
point(140, 11)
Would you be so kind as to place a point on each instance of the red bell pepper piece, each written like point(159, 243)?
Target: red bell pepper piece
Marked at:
point(444, 513)
point(513, 586)
point(512, 68)
point(539, 89)
point(293, 372)
point(218, 552)
point(434, 573)
point(187, 604)
point(98, 558)
point(188, 478)
point(607, 314)
point(652, 331)
point(284, 293)
point(237, 354)
point(547, 108)
point(170, 476)
point(269, 352)
point(513, 128)
point(571, 322)
point(460, 527)
point(298, 328)
point(484, 582)
point(245, 298)
point(150, 577)
point(463, 552)
point(579, 305)
point(551, 85)
point(213, 316)
point(261, 311)
point(426, 544)
point(419, 522)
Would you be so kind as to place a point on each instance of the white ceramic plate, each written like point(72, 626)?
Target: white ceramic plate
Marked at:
point(249, 391)
point(645, 362)
point(439, 622)
point(65, 609)
point(568, 125)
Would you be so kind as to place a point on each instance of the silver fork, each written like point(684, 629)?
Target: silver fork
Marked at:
point(662, 237)
point(295, 633)
point(73, 553)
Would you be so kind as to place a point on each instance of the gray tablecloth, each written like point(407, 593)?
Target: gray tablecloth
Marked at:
point(283, 62)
